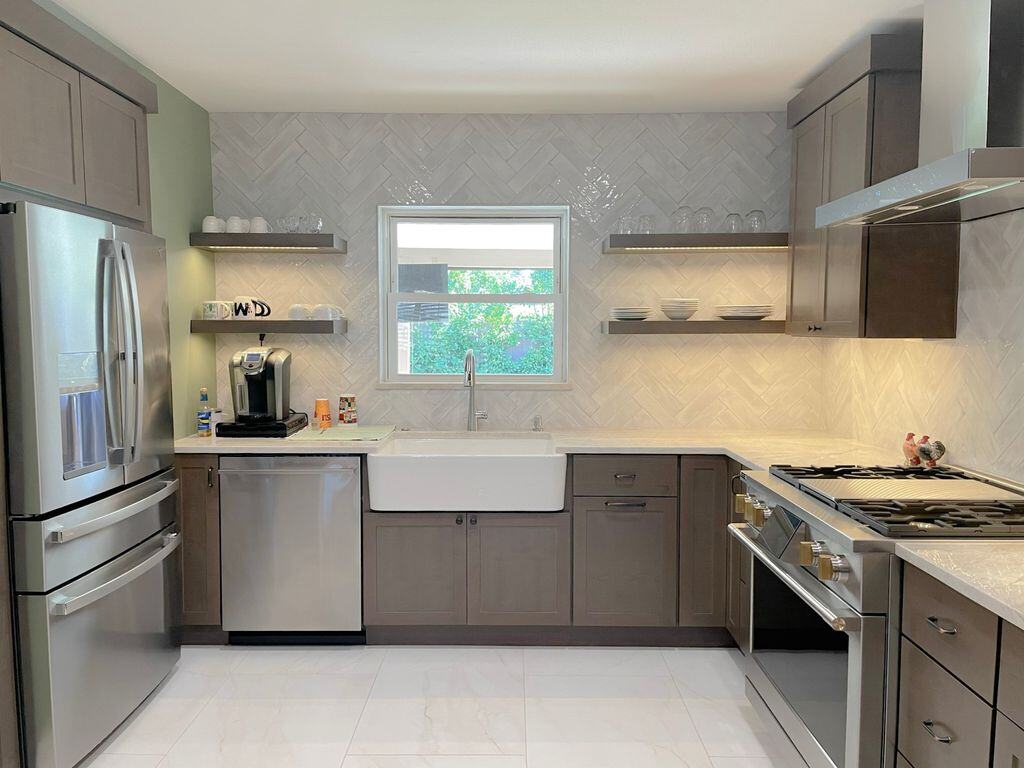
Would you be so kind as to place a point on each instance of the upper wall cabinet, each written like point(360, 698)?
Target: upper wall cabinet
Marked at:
point(64, 134)
point(116, 152)
point(40, 121)
point(852, 281)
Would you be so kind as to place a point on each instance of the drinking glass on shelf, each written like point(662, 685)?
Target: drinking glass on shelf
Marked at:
point(628, 225)
point(733, 223)
point(703, 220)
point(682, 219)
point(314, 224)
point(645, 224)
point(756, 221)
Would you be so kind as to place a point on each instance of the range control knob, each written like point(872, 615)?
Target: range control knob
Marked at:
point(810, 551)
point(833, 568)
point(748, 508)
point(761, 514)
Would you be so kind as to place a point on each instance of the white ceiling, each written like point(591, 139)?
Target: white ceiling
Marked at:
point(483, 56)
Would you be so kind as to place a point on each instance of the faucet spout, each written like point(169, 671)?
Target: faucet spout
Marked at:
point(469, 381)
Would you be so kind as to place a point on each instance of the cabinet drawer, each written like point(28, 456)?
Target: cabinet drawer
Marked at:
point(957, 632)
point(1011, 674)
point(1009, 751)
point(625, 475)
point(932, 698)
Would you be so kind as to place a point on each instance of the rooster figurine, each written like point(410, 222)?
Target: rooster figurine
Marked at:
point(930, 452)
point(910, 451)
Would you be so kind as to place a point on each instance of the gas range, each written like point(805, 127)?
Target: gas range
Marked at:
point(900, 502)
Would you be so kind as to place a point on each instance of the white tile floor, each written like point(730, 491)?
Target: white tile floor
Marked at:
point(420, 707)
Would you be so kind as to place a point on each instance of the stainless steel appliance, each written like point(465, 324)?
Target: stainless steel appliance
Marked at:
point(260, 386)
point(971, 147)
point(825, 590)
point(91, 490)
point(290, 544)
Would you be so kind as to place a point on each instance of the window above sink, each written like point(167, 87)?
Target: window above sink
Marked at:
point(491, 278)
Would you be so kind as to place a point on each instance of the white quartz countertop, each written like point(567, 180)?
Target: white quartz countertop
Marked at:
point(757, 450)
point(989, 573)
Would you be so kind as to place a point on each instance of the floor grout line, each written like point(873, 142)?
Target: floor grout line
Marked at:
point(369, 693)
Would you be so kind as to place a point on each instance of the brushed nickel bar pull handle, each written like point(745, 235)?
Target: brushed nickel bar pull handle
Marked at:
point(622, 476)
point(625, 504)
point(929, 725)
point(936, 622)
point(209, 477)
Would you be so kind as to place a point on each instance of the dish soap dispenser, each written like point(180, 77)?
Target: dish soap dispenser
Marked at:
point(203, 426)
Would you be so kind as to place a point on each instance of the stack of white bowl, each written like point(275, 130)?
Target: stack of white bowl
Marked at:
point(678, 309)
point(631, 313)
point(743, 311)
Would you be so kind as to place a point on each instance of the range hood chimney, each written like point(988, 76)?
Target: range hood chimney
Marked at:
point(971, 152)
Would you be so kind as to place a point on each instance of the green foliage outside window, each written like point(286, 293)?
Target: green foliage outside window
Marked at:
point(510, 339)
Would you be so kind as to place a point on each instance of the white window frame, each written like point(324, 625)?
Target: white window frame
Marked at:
point(388, 217)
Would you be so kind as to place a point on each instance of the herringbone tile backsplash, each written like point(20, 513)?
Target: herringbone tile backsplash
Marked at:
point(967, 392)
point(342, 166)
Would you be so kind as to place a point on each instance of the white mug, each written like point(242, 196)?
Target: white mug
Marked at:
point(213, 224)
point(249, 308)
point(216, 310)
point(236, 224)
point(300, 312)
point(327, 312)
point(259, 224)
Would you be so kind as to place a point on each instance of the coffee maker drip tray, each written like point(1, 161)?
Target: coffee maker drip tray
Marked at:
point(288, 426)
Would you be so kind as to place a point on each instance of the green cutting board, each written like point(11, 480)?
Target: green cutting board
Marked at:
point(345, 432)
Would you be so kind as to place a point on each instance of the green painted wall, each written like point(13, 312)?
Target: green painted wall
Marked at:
point(182, 193)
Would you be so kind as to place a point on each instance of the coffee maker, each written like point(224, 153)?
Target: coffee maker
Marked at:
point(260, 389)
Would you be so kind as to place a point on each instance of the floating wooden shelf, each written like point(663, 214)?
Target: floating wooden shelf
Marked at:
point(740, 242)
point(270, 326)
point(615, 327)
point(287, 242)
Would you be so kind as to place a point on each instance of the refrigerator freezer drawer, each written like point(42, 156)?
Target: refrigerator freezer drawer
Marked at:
point(290, 544)
point(51, 551)
point(93, 650)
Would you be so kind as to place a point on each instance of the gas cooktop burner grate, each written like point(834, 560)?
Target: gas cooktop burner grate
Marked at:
point(937, 519)
point(856, 472)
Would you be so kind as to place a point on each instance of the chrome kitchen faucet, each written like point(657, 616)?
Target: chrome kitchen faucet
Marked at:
point(469, 380)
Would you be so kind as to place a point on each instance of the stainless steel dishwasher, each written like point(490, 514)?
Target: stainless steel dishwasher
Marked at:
point(290, 544)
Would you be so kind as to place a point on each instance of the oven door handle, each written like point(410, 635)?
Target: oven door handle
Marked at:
point(847, 623)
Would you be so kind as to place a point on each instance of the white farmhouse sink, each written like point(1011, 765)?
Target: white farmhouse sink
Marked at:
point(467, 472)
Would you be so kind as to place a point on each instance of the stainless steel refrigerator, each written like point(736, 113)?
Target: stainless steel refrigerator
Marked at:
point(91, 488)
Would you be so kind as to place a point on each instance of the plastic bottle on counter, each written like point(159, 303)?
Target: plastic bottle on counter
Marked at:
point(204, 428)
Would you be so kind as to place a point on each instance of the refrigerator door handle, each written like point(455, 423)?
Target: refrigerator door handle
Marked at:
point(65, 605)
point(61, 535)
point(134, 317)
point(112, 332)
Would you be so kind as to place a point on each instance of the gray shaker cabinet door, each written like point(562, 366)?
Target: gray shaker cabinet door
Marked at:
point(414, 568)
point(625, 554)
point(704, 508)
point(519, 568)
point(116, 152)
point(40, 121)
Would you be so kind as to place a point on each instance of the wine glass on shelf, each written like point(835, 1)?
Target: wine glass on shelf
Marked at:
point(682, 219)
point(703, 220)
point(756, 221)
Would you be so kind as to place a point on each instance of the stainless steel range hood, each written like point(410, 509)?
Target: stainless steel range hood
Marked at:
point(971, 155)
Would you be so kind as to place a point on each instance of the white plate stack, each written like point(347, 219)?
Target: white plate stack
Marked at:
point(743, 311)
point(678, 309)
point(631, 313)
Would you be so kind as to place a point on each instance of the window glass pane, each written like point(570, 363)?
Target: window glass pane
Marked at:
point(475, 256)
point(507, 339)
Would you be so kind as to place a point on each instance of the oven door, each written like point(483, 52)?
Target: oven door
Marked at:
point(817, 663)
